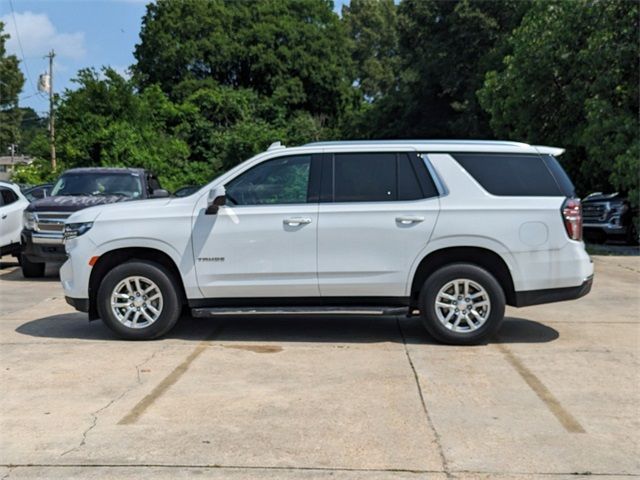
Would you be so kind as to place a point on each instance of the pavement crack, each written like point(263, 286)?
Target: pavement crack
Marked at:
point(94, 422)
point(443, 459)
point(147, 360)
point(96, 414)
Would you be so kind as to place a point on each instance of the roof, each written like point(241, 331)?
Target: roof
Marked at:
point(15, 160)
point(447, 145)
point(104, 170)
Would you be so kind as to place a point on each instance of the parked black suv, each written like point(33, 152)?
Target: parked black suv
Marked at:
point(76, 189)
point(608, 216)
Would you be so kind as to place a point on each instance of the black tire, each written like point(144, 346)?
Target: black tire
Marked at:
point(447, 274)
point(31, 269)
point(632, 235)
point(172, 306)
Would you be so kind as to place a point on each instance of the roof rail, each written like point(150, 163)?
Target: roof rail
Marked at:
point(409, 142)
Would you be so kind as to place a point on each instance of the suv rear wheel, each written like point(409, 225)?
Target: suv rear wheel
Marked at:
point(138, 300)
point(462, 304)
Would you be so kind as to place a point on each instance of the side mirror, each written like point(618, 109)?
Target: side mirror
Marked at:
point(217, 198)
point(160, 193)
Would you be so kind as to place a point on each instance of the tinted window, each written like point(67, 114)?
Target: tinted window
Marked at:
point(364, 177)
point(565, 183)
point(510, 174)
point(408, 185)
point(8, 196)
point(280, 181)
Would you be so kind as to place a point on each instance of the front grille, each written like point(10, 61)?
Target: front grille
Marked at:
point(51, 222)
point(594, 212)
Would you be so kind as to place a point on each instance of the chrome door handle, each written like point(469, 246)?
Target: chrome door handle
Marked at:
point(408, 220)
point(296, 221)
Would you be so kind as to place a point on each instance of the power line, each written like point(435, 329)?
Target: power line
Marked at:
point(26, 67)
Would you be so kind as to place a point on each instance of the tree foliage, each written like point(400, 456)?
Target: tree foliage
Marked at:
point(294, 50)
point(572, 80)
point(11, 83)
point(217, 81)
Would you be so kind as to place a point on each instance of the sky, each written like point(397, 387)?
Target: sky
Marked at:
point(83, 33)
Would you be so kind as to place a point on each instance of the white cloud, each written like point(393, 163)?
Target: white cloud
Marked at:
point(38, 35)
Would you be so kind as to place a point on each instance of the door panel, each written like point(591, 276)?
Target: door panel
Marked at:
point(366, 249)
point(263, 243)
point(257, 251)
point(376, 215)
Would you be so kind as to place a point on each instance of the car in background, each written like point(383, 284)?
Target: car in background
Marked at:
point(37, 192)
point(12, 204)
point(609, 216)
point(187, 190)
point(76, 189)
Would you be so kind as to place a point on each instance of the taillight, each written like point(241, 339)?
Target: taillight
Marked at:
point(572, 216)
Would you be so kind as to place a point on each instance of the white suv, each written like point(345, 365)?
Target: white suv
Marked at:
point(12, 204)
point(448, 230)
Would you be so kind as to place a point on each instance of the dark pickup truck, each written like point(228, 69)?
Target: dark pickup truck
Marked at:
point(78, 188)
point(608, 216)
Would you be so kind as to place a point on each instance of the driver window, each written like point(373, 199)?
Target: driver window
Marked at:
point(281, 181)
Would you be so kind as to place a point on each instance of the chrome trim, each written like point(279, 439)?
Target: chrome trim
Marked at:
point(45, 239)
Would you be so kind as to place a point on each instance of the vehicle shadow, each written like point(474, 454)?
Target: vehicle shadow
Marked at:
point(52, 273)
point(331, 329)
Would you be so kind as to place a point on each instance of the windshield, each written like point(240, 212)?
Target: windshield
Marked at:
point(122, 184)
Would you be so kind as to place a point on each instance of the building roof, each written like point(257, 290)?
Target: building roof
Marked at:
point(15, 160)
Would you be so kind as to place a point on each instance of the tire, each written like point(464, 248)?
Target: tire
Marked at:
point(152, 278)
point(483, 315)
point(31, 269)
point(632, 235)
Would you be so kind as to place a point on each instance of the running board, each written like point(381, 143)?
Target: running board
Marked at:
point(326, 310)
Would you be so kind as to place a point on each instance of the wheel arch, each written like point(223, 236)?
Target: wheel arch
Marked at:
point(117, 256)
point(482, 257)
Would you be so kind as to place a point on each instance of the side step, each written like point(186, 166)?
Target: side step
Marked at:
point(325, 310)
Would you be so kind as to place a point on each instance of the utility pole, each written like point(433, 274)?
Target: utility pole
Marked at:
point(52, 127)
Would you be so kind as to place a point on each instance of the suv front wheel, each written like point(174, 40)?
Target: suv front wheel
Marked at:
point(138, 300)
point(462, 304)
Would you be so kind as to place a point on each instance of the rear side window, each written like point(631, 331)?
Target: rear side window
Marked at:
point(511, 174)
point(380, 177)
point(365, 177)
point(565, 183)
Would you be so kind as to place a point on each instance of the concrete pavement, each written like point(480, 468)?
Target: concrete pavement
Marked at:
point(557, 393)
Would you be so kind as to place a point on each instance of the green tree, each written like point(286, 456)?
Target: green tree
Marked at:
point(373, 28)
point(106, 122)
point(444, 49)
point(11, 82)
point(294, 50)
point(572, 80)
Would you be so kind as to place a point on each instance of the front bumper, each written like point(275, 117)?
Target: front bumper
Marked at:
point(606, 228)
point(41, 248)
point(549, 295)
point(80, 304)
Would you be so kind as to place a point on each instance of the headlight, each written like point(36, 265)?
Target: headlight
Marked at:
point(73, 230)
point(29, 220)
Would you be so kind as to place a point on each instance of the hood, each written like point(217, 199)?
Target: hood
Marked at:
point(603, 197)
point(63, 203)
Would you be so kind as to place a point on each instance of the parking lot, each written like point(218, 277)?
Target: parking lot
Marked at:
point(556, 394)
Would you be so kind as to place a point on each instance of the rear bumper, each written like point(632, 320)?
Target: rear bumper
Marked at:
point(80, 304)
point(549, 295)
